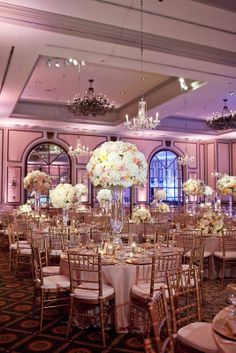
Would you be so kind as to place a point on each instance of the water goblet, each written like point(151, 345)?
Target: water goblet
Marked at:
point(231, 294)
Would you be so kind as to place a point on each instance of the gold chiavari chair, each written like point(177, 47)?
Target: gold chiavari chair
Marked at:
point(161, 326)
point(42, 245)
point(226, 255)
point(149, 281)
point(49, 291)
point(184, 299)
point(88, 291)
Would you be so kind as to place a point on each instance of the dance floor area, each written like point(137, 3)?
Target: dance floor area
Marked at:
point(19, 328)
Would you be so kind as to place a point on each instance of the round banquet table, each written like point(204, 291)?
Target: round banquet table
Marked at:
point(223, 335)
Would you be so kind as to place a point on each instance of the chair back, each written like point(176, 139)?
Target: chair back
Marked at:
point(85, 268)
point(184, 297)
point(38, 256)
point(160, 321)
point(56, 239)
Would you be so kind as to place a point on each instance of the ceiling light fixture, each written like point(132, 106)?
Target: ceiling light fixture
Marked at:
point(185, 160)
point(90, 104)
point(80, 150)
point(61, 62)
point(224, 120)
point(142, 121)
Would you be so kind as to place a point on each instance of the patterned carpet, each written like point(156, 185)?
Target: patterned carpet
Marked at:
point(19, 329)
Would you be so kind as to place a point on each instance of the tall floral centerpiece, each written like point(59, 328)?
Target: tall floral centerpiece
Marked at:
point(104, 198)
point(159, 195)
point(193, 187)
point(211, 223)
point(80, 191)
point(209, 195)
point(117, 165)
point(39, 183)
point(63, 196)
point(226, 185)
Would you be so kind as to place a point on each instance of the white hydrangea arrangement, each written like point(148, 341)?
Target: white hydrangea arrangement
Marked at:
point(211, 223)
point(141, 215)
point(159, 194)
point(80, 190)
point(117, 164)
point(226, 185)
point(162, 207)
point(104, 195)
point(194, 187)
point(26, 208)
point(37, 181)
point(63, 196)
point(208, 191)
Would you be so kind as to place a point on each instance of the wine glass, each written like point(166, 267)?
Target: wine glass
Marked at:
point(231, 294)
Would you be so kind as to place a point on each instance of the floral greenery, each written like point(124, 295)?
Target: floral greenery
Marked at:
point(37, 181)
point(80, 190)
point(211, 223)
point(194, 187)
point(208, 191)
point(117, 164)
point(226, 185)
point(141, 215)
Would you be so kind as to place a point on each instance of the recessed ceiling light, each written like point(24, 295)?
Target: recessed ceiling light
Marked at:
point(63, 76)
point(144, 78)
point(123, 92)
point(231, 93)
point(48, 90)
point(38, 82)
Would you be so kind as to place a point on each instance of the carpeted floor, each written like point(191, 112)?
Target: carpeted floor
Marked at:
point(19, 329)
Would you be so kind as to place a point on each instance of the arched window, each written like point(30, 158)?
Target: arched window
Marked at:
point(166, 174)
point(51, 159)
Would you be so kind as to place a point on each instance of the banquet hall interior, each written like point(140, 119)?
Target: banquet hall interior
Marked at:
point(118, 176)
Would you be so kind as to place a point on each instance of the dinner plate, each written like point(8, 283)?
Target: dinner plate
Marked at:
point(139, 261)
point(221, 326)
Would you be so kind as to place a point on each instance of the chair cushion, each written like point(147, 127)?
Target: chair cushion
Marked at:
point(185, 267)
point(91, 291)
point(51, 270)
point(198, 335)
point(56, 282)
point(206, 254)
point(56, 252)
point(142, 290)
point(22, 244)
point(188, 253)
point(25, 251)
point(230, 255)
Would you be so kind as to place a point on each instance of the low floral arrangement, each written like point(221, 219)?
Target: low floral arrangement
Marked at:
point(209, 192)
point(117, 164)
point(80, 190)
point(37, 181)
point(26, 208)
point(159, 194)
point(162, 207)
point(63, 196)
point(104, 195)
point(141, 215)
point(211, 223)
point(226, 185)
point(194, 187)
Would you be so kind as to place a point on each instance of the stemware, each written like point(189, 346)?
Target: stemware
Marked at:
point(231, 294)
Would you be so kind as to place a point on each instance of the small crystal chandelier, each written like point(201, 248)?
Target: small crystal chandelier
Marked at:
point(80, 150)
point(224, 120)
point(142, 121)
point(90, 104)
point(185, 160)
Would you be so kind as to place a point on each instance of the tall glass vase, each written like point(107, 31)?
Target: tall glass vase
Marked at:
point(194, 205)
point(37, 201)
point(117, 214)
point(65, 216)
point(186, 204)
point(230, 205)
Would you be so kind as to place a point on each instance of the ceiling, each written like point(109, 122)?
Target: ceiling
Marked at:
point(193, 39)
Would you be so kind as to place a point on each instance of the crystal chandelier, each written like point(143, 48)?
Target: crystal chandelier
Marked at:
point(185, 160)
point(90, 104)
point(142, 121)
point(224, 120)
point(80, 150)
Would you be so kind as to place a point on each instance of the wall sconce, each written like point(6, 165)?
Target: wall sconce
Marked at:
point(14, 184)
